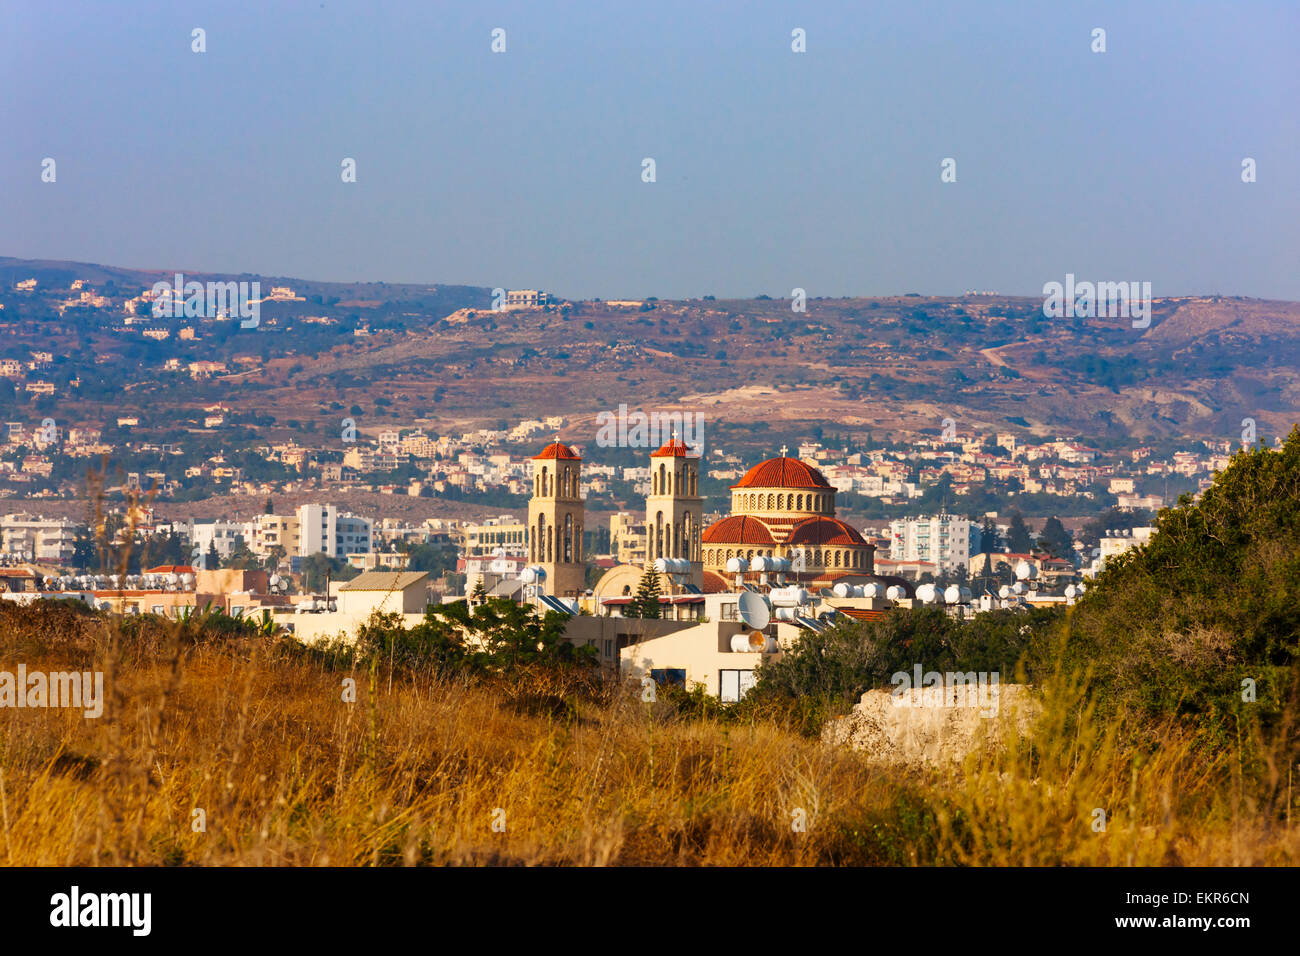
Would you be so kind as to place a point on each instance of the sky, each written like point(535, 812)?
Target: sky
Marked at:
point(819, 170)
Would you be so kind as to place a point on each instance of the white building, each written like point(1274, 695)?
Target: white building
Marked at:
point(33, 538)
point(207, 534)
point(1115, 543)
point(322, 528)
point(943, 540)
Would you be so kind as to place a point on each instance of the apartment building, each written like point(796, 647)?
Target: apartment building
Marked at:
point(324, 529)
point(505, 532)
point(944, 540)
point(25, 537)
point(266, 532)
point(215, 533)
point(628, 539)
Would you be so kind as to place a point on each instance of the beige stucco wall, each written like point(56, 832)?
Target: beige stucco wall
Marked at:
point(702, 651)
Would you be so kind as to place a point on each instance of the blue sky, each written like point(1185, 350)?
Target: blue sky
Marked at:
point(774, 169)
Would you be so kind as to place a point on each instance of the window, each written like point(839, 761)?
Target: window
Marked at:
point(728, 612)
point(734, 685)
point(669, 676)
point(609, 647)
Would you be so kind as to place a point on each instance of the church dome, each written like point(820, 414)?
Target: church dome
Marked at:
point(673, 448)
point(784, 473)
point(820, 530)
point(559, 450)
point(737, 529)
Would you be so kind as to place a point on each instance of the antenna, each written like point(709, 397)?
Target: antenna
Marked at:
point(754, 610)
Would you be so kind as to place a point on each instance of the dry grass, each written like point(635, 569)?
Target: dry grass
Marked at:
point(417, 769)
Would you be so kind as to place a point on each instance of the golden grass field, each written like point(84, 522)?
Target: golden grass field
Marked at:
point(418, 769)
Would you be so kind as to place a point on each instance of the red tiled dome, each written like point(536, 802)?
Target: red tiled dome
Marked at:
point(557, 450)
point(737, 529)
point(674, 448)
point(823, 530)
point(783, 473)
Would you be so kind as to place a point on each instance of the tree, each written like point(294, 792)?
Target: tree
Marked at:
point(316, 569)
point(1175, 627)
point(989, 538)
point(479, 594)
point(241, 558)
point(1054, 539)
point(645, 603)
point(1018, 535)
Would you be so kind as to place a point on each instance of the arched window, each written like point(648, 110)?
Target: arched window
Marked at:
point(568, 539)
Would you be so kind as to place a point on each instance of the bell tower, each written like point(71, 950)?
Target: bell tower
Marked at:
point(555, 514)
point(674, 508)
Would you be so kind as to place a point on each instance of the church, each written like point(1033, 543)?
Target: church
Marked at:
point(782, 508)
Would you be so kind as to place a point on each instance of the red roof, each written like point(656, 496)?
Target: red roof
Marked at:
point(864, 614)
point(783, 473)
point(674, 448)
point(557, 450)
point(715, 583)
point(170, 569)
point(822, 530)
point(737, 529)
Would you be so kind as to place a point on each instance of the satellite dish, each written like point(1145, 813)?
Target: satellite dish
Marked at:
point(754, 612)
